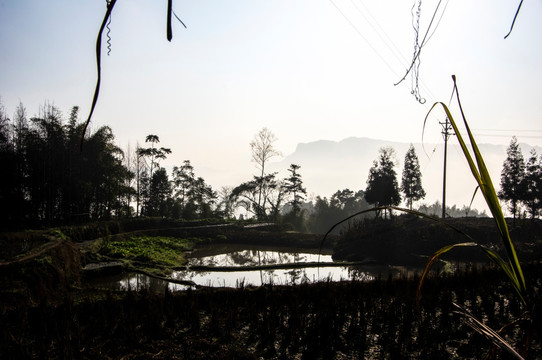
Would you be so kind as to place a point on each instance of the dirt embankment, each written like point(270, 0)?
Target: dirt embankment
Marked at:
point(44, 266)
point(44, 275)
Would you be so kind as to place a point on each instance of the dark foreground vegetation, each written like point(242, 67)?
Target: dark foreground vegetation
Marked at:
point(410, 240)
point(326, 320)
point(49, 311)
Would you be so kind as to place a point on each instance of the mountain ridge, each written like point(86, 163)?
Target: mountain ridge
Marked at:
point(328, 166)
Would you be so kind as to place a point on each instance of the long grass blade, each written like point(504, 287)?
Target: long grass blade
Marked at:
point(488, 190)
point(482, 177)
point(491, 254)
point(488, 332)
point(436, 255)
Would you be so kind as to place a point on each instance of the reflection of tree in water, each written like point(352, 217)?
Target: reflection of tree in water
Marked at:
point(295, 275)
point(204, 261)
point(138, 282)
point(188, 274)
point(359, 275)
point(251, 257)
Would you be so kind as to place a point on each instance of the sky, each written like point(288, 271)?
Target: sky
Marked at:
point(305, 69)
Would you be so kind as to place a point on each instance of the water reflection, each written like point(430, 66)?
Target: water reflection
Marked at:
point(239, 257)
point(275, 276)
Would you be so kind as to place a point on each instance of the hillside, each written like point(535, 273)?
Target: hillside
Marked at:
point(410, 240)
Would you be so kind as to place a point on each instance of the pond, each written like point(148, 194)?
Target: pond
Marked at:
point(226, 266)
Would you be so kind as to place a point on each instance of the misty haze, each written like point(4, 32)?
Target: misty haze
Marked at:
point(270, 180)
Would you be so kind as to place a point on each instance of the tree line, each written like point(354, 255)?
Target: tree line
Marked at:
point(48, 181)
point(521, 182)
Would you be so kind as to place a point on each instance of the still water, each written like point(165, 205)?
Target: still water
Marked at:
point(233, 261)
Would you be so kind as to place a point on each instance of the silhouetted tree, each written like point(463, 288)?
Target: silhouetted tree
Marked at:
point(382, 188)
point(183, 182)
point(294, 186)
point(154, 154)
point(533, 184)
point(324, 216)
point(348, 201)
point(451, 211)
point(129, 161)
point(195, 198)
point(160, 201)
point(10, 199)
point(106, 173)
point(411, 181)
point(203, 197)
point(150, 158)
point(342, 204)
point(50, 181)
point(45, 153)
point(225, 206)
point(262, 196)
point(512, 174)
point(263, 150)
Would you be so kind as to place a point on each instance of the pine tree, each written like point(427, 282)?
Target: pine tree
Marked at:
point(411, 182)
point(532, 183)
point(382, 188)
point(512, 174)
point(294, 186)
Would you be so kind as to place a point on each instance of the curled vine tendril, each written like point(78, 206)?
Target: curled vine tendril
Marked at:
point(414, 74)
point(414, 68)
point(108, 34)
point(106, 22)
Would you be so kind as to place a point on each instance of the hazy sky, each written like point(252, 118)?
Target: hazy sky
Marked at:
point(306, 69)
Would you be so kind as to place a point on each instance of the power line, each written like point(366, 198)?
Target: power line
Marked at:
point(507, 136)
point(382, 58)
point(363, 37)
point(395, 51)
point(389, 44)
point(508, 130)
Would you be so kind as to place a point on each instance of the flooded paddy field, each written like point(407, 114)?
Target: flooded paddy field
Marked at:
point(324, 320)
point(237, 266)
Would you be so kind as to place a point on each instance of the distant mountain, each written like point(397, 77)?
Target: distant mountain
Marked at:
point(328, 166)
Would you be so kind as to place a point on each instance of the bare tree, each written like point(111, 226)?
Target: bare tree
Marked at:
point(263, 150)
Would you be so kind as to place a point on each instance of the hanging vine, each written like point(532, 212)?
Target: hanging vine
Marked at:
point(106, 22)
point(414, 69)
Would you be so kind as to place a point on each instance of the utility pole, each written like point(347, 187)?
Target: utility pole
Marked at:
point(446, 127)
